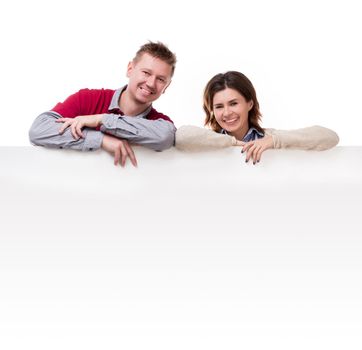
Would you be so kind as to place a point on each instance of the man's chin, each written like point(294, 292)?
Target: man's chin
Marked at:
point(145, 99)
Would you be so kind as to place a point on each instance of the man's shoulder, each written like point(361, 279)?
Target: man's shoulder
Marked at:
point(154, 115)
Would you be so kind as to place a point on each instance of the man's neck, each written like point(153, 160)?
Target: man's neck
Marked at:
point(129, 106)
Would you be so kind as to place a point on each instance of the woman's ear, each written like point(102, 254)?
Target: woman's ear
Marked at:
point(251, 104)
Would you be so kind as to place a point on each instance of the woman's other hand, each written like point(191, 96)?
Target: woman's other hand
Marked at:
point(254, 149)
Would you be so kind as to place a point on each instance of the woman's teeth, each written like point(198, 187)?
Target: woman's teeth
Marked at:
point(230, 121)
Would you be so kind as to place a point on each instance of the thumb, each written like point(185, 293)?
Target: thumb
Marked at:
point(240, 143)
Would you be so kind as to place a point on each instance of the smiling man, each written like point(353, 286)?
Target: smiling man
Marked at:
point(114, 119)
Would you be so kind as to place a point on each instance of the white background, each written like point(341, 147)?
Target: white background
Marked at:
point(270, 261)
point(161, 257)
point(304, 57)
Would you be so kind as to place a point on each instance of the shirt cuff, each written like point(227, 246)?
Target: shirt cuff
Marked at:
point(93, 140)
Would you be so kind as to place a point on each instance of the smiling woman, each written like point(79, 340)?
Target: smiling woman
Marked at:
point(232, 113)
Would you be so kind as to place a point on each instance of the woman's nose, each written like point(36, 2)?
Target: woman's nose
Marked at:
point(226, 111)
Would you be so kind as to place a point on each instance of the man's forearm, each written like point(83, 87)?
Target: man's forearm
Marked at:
point(155, 134)
point(45, 132)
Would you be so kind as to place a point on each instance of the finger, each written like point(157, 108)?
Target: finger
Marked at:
point(255, 153)
point(247, 146)
point(72, 130)
point(260, 152)
point(61, 120)
point(131, 154)
point(249, 153)
point(78, 130)
point(117, 156)
point(123, 154)
point(64, 127)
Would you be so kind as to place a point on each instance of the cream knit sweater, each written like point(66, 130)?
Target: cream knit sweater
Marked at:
point(192, 138)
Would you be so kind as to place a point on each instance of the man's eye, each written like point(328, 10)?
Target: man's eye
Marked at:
point(146, 73)
point(161, 80)
point(233, 103)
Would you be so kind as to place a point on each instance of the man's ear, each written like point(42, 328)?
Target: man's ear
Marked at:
point(130, 68)
point(163, 91)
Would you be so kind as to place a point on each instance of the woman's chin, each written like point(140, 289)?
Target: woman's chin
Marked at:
point(229, 129)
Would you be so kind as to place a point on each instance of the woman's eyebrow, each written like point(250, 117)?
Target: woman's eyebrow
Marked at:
point(230, 101)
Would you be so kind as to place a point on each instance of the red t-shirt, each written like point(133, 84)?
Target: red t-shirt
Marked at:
point(95, 101)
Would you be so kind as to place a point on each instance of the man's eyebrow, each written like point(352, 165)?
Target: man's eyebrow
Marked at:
point(151, 71)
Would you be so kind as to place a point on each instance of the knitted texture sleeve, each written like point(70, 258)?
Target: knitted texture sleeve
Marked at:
point(316, 138)
point(191, 138)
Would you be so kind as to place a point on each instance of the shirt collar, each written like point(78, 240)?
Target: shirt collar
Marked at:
point(251, 135)
point(114, 105)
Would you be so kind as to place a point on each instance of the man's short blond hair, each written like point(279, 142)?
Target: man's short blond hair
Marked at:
point(157, 50)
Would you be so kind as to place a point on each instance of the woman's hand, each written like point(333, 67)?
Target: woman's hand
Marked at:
point(254, 149)
point(78, 123)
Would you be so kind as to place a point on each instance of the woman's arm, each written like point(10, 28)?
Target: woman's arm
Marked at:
point(191, 138)
point(315, 138)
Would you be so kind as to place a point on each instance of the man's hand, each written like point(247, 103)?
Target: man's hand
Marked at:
point(120, 149)
point(254, 149)
point(78, 123)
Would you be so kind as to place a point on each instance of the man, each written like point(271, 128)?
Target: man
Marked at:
point(112, 119)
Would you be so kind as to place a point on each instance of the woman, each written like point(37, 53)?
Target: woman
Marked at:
point(232, 113)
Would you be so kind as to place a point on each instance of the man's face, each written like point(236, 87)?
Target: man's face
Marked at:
point(148, 78)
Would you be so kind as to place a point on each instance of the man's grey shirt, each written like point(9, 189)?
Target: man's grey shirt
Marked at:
point(154, 134)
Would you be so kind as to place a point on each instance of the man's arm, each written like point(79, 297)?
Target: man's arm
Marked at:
point(45, 132)
point(155, 134)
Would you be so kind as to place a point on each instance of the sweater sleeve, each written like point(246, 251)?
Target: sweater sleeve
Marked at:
point(316, 138)
point(191, 138)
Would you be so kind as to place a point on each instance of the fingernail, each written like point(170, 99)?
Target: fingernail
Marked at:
point(246, 160)
point(242, 151)
point(254, 163)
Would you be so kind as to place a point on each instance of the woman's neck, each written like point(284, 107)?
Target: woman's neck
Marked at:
point(240, 134)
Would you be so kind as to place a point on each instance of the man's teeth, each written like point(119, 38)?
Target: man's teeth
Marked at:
point(145, 90)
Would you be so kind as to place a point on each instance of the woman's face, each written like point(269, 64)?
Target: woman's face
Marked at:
point(231, 112)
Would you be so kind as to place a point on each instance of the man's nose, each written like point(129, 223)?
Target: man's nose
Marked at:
point(151, 81)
